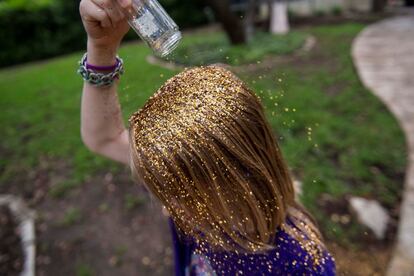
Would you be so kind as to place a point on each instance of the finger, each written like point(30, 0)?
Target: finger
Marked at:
point(114, 14)
point(92, 12)
point(124, 7)
point(106, 6)
point(124, 3)
point(112, 10)
point(118, 9)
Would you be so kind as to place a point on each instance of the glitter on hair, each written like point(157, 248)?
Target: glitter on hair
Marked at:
point(202, 145)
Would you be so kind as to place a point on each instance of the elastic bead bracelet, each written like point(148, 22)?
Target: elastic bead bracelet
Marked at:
point(91, 75)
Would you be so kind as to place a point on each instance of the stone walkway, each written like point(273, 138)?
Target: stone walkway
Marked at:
point(384, 57)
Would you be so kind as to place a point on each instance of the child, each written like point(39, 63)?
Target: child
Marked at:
point(201, 144)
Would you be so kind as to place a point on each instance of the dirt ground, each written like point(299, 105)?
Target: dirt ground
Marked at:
point(110, 236)
point(371, 260)
point(96, 229)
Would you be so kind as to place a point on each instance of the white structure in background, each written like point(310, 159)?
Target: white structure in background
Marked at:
point(279, 21)
point(309, 7)
point(371, 214)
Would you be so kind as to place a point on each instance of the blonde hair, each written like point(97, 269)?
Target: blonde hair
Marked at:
point(202, 145)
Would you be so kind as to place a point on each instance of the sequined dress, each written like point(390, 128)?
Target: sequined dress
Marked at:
point(288, 258)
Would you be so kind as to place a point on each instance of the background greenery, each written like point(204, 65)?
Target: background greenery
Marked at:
point(336, 136)
point(36, 29)
point(214, 47)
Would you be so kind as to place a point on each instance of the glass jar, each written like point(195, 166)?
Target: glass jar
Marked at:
point(152, 23)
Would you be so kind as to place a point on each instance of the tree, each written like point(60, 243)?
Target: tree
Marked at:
point(231, 24)
point(250, 19)
point(241, 30)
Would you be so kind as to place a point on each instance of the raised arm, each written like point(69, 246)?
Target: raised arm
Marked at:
point(102, 127)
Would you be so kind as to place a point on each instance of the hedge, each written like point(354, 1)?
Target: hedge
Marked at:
point(33, 32)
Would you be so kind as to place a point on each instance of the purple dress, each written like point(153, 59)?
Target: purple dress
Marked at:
point(288, 258)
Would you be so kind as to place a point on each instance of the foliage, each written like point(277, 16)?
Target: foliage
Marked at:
point(84, 270)
point(30, 5)
point(187, 13)
point(214, 47)
point(337, 10)
point(32, 30)
point(40, 31)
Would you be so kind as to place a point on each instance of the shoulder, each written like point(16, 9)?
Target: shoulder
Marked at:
point(303, 256)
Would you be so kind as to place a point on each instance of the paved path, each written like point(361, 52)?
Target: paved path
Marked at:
point(384, 56)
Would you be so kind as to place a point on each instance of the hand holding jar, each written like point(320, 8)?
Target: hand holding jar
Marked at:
point(106, 23)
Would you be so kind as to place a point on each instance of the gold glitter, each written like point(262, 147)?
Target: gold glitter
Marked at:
point(202, 146)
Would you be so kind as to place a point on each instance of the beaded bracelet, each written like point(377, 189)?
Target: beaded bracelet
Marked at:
point(89, 72)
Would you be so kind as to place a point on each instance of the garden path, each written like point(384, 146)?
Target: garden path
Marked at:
point(384, 57)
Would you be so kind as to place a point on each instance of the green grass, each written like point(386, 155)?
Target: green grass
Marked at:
point(41, 112)
point(62, 188)
point(84, 270)
point(214, 47)
point(133, 201)
point(72, 216)
point(336, 136)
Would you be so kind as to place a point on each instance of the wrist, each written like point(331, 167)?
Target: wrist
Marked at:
point(100, 75)
point(101, 55)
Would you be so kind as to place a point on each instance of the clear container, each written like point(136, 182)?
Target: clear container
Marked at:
point(152, 23)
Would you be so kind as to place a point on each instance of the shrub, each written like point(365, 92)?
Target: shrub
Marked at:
point(337, 10)
point(7, 5)
point(186, 13)
point(35, 32)
point(37, 29)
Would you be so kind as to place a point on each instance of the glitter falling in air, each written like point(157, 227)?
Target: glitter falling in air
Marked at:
point(192, 118)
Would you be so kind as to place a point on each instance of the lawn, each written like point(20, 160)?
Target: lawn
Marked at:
point(337, 137)
point(214, 47)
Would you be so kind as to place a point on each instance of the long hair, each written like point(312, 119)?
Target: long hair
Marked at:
point(202, 145)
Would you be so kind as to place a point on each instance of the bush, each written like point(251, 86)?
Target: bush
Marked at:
point(186, 13)
point(33, 30)
point(337, 10)
point(7, 5)
point(39, 32)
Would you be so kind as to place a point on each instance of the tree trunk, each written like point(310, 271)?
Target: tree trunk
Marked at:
point(378, 5)
point(233, 26)
point(279, 22)
point(249, 19)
